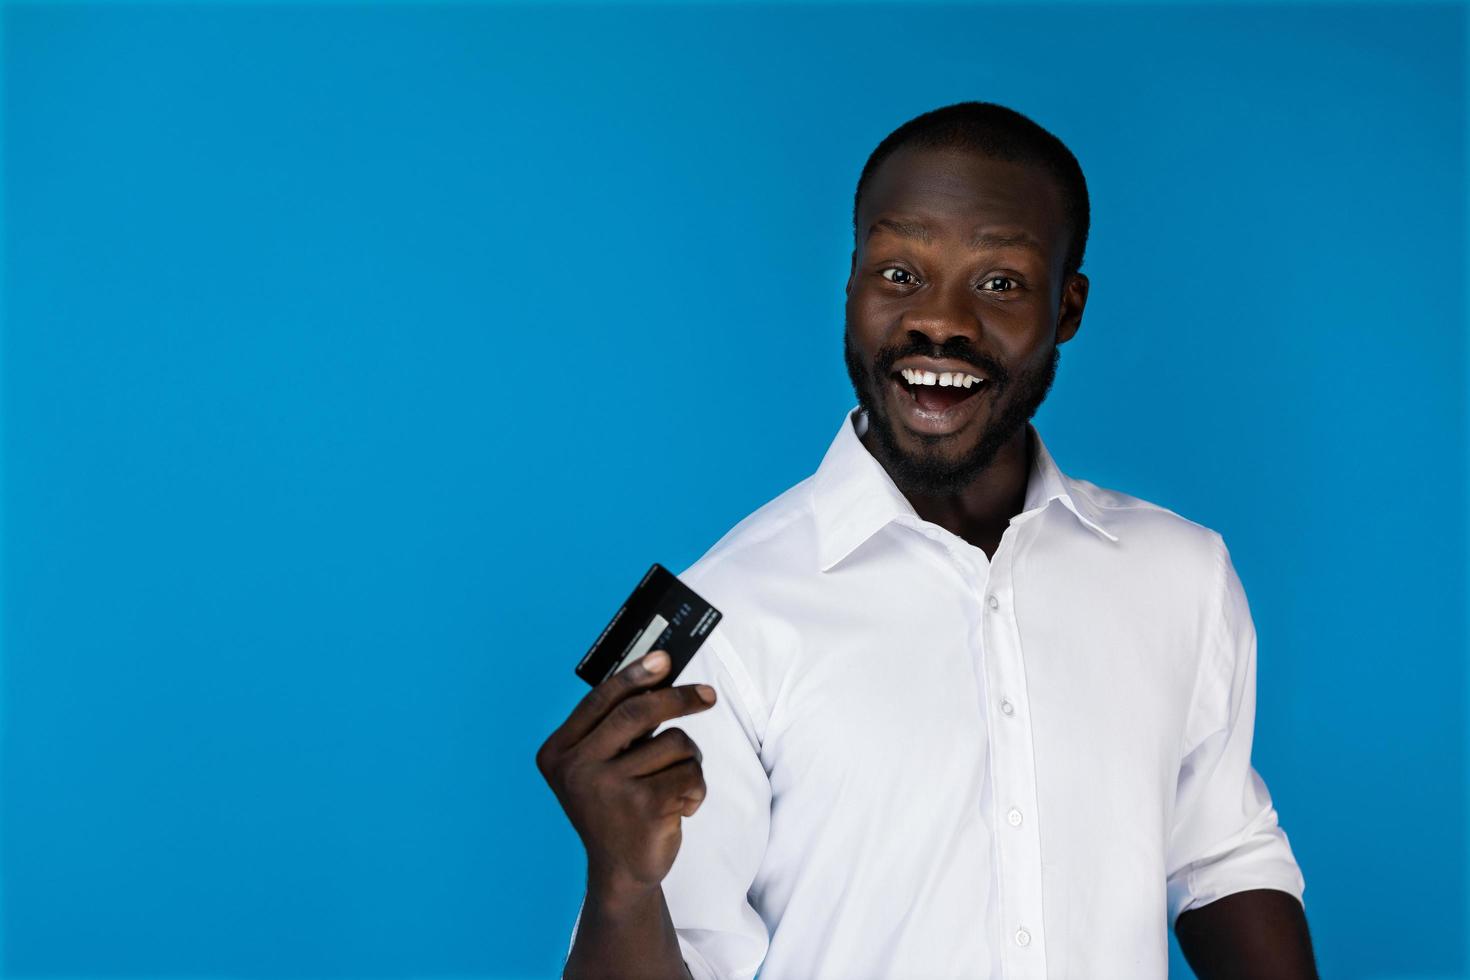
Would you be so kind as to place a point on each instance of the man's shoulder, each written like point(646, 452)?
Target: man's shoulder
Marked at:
point(1149, 528)
point(780, 535)
point(754, 575)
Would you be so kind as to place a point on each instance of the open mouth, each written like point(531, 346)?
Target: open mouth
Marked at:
point(938, 392)
point(930, 402)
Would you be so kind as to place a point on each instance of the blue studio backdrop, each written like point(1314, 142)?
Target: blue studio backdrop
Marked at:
point(352, 356)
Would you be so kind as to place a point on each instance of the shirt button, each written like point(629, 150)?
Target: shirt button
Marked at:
point(1006, 706)
point(993, 601)
point(1014, 817)
point(1023, 938)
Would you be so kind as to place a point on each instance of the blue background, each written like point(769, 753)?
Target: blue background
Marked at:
point(357, 358)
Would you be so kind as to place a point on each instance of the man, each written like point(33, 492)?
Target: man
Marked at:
point(970, 717)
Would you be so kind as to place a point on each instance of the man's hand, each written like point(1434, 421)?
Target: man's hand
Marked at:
point(626, 795)
point(626, 802)
point(1252, 935)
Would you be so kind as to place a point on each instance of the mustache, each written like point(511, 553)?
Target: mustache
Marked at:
point(954, 349)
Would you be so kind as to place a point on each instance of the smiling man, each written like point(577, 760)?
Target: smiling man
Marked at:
point(972, 717)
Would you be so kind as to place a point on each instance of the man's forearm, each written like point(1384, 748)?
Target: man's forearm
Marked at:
point(1259, 934)
point(625, 936)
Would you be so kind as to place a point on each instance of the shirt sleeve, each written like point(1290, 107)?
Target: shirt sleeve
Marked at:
point(1226, 837)
point(721, 935)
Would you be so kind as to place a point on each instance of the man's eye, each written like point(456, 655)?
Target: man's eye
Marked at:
point(902, 272)
point(1004, 279)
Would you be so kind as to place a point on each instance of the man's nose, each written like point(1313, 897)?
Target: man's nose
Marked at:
point(944, 314)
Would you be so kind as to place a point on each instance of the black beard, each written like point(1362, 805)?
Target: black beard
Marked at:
point(930, 475)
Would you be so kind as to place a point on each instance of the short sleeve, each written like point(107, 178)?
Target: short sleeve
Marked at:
point(1226, 836)
point(707, 889)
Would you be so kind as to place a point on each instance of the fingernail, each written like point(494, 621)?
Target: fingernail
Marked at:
point(706, 693)
point(655, 661)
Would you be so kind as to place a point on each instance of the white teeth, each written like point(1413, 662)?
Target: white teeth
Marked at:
point(956, 379)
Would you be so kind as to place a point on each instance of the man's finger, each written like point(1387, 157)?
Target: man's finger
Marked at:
point(640, 714)
point(678, 786)
point(606, 696)
point(663, 750)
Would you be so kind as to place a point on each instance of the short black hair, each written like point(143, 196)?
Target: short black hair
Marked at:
point(1000, 134)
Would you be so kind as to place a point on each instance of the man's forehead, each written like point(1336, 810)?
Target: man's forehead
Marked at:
point(961, 195)
point(983, 236)
point(950, 167)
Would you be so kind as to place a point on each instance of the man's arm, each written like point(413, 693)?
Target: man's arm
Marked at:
point(669, 896)
point(630, 937)
point(1234, 885)
point(627, 796)
point(1259, 934)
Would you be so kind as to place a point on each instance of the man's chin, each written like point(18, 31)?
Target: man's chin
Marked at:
point(927, 464)
point(934, 453)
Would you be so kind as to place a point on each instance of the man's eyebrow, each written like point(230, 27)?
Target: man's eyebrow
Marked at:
point(914, 229)
point(1019, 240)
point(908, 229)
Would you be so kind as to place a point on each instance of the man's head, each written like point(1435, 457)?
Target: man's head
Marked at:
point(969, 227)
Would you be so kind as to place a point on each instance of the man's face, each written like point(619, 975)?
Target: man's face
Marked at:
point(996, 310)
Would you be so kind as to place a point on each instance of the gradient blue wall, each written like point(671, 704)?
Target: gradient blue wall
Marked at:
point(356, 360)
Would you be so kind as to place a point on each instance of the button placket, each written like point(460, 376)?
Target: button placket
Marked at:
point(1013, 775)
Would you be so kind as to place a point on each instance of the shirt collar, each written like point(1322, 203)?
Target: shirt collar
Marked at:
point(854, 497)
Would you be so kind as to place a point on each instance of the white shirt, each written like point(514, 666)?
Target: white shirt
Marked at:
point(924, 763)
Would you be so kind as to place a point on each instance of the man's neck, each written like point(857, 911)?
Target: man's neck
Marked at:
point(981, 512)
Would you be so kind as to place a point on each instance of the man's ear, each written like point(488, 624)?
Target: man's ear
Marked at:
point(851, 271)
point(1069, 314)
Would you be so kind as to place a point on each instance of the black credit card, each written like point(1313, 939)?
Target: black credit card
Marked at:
point(661, 614)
